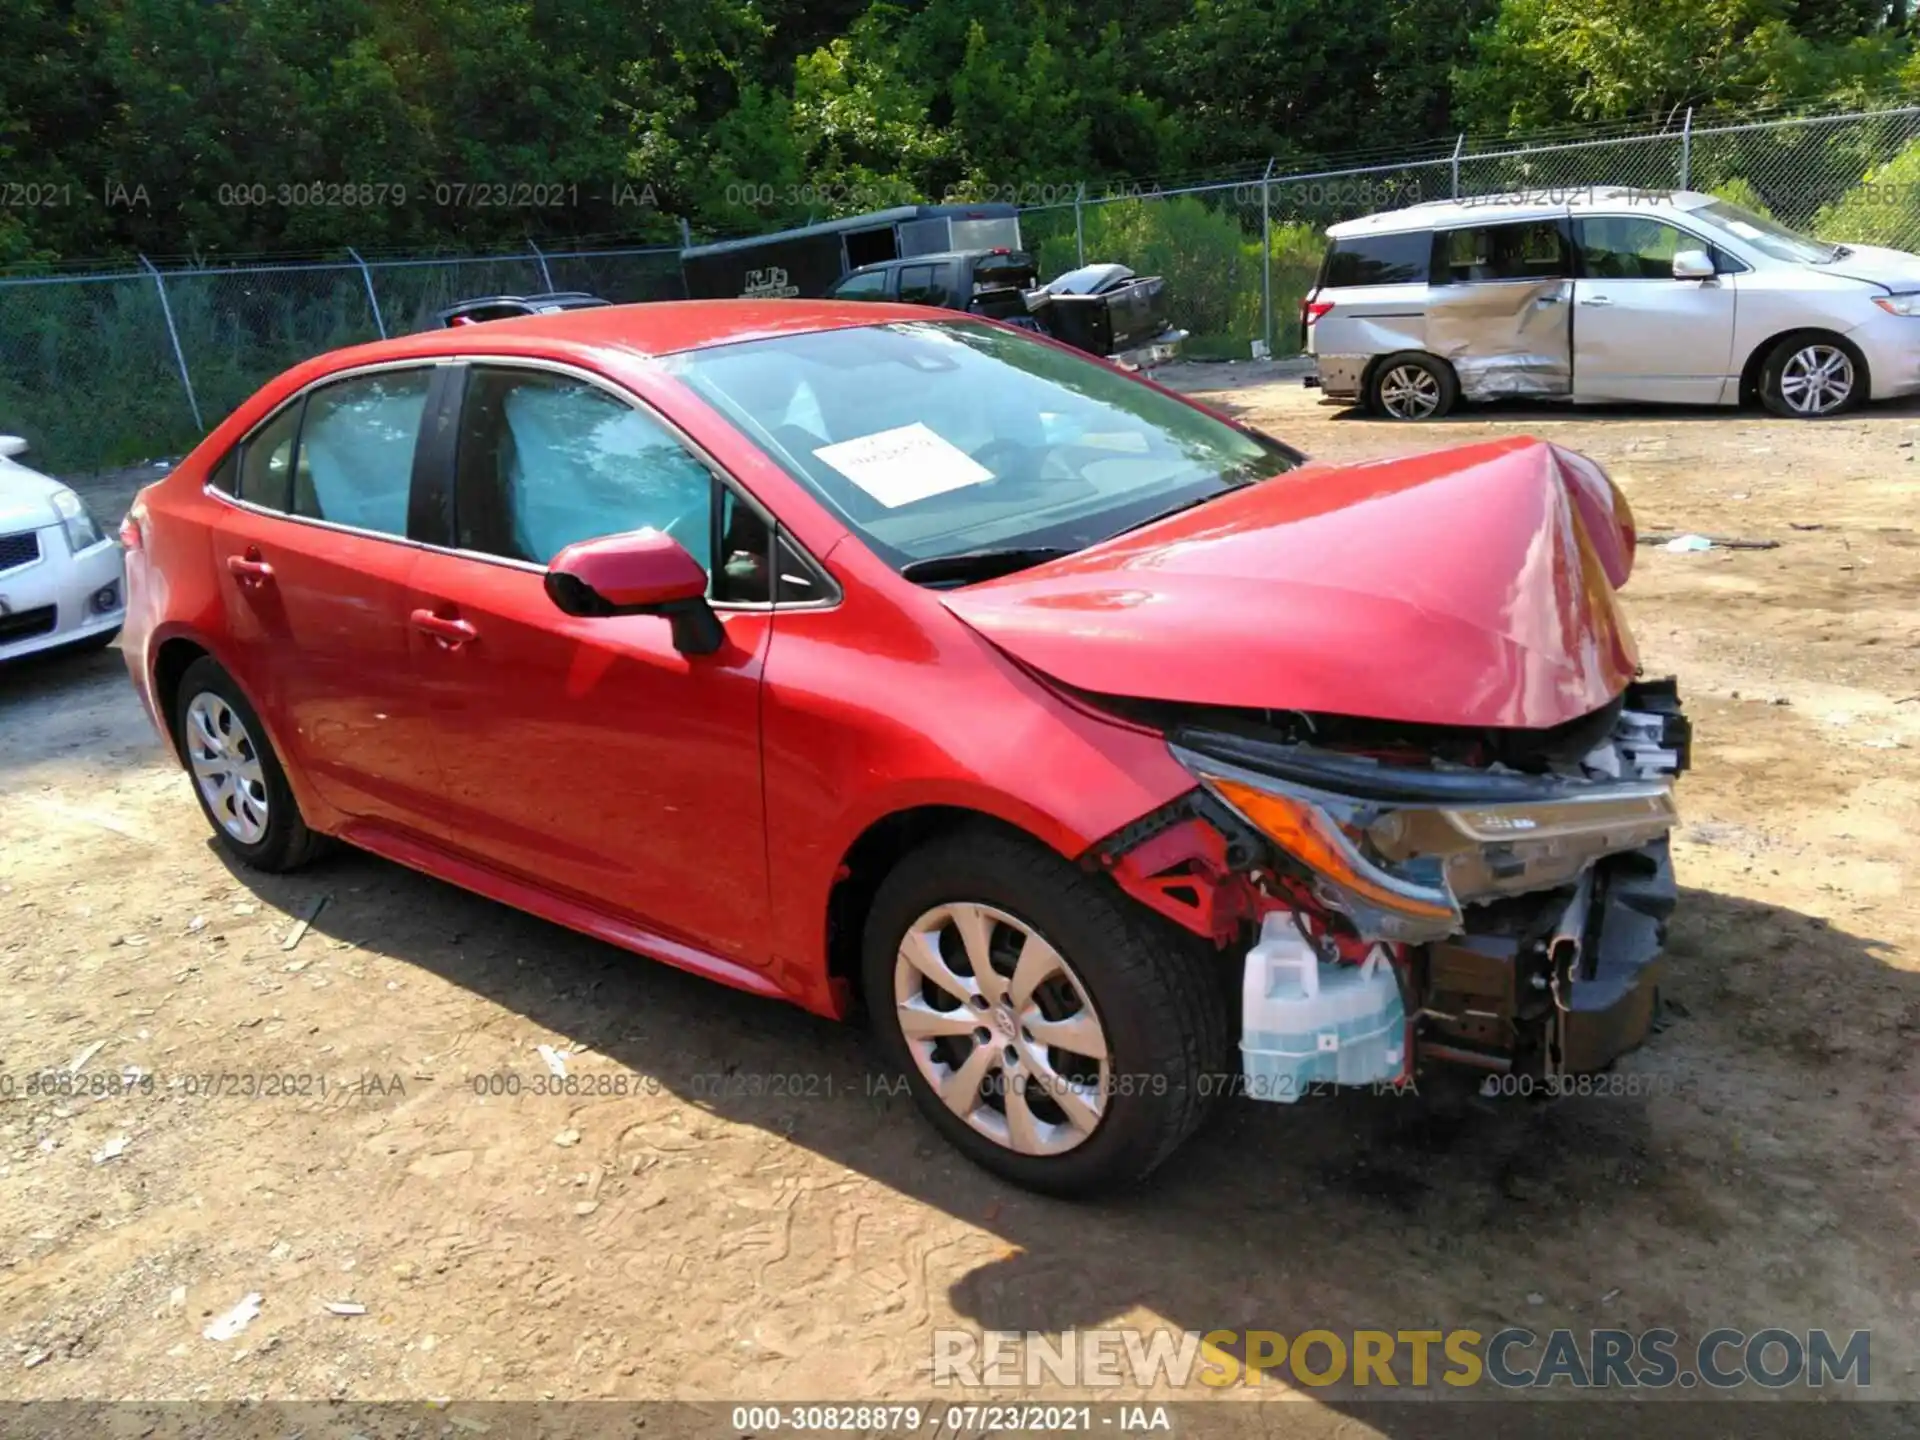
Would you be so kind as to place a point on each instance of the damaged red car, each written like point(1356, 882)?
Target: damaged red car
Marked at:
point(1105, 753)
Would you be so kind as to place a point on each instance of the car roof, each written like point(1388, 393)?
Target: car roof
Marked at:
point(1543, 204)
point(658, 327)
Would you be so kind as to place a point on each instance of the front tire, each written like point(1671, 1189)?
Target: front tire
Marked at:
point(1813, 376)
point(1412, 386)
point(237, 778)
point(1054, 1033)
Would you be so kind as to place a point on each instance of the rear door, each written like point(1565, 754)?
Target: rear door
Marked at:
point(315, 561)
point(1640, 334)
point(1497, 307)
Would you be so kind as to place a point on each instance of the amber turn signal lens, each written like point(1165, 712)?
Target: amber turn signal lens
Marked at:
point(1304, 832)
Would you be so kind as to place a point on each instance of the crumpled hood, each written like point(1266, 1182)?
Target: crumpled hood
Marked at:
point(1470, 587)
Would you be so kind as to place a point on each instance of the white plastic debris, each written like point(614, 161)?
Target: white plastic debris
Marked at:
point(556, 1060)
point(230, 1324)
point(75, 1065)
point(112, 1150)
point(1688, 544)
point(344, 1307)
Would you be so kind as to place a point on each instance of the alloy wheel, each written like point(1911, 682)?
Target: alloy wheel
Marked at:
point(1409, 392)
point(226, 766)
point(1816, 380)
point(1001, 1027)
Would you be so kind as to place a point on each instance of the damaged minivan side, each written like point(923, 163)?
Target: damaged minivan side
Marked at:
point(1605, 295)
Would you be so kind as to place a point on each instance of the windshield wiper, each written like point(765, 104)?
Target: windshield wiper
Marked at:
point(982, 564)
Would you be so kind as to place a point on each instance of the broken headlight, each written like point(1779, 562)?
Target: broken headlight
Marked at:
point(1328, 836)
point(1400, 865)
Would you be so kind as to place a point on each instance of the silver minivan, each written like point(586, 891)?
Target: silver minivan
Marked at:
point(1607, 295)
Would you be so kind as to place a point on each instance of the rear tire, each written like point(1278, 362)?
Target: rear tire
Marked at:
point(236, 776)
point(1412, 386)
point(1076, 1124)
point(1812, 376)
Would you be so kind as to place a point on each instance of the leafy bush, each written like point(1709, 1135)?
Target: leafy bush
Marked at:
point(1882, 209)
point(1209, 255)
point(1738, 191)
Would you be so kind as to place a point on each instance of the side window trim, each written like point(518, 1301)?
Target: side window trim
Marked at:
point(1577, 236)
point(1441, 273)
point(723, 479)
point(237, 455)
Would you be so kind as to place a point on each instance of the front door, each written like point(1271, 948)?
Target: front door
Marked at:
point(1496, 308)
point(1640, 334)
point(315, 569)
point(587, 755)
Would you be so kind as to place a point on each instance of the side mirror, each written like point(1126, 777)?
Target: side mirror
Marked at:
point(642, 572)
point(12, 445)
point(1693, 265)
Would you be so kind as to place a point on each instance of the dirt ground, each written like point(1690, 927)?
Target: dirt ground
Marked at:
point(674, 1230)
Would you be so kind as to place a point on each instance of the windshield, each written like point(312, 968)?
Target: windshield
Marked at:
point(934, 439)
point(1767, 236)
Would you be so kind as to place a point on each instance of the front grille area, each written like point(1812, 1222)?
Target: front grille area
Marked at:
point(21, 549)
point(25, 624)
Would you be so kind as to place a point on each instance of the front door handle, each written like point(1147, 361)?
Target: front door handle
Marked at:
point(249, 569)
point(1548, 300)
point(444, 629)
point(1595, 300)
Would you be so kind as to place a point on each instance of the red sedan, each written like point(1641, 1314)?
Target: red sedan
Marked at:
point(1106, 754)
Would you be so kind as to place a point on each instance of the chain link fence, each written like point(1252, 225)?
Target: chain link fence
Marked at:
point(1239, 255)
point(101, 370)
point(105, 370)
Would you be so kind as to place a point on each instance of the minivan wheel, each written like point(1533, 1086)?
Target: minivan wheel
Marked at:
point(236, 776)
point(1808, 377)
point(1055, 1034)
point(1412, 386)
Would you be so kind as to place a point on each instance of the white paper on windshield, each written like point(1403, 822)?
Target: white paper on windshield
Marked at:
point(905, 464)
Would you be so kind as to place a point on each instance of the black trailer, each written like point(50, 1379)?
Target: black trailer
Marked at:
point(806, 262)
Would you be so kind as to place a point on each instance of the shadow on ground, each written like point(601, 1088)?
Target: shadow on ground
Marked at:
point(1338, 1213)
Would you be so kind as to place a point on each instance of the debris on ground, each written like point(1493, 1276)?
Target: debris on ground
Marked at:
point(556, 1060)
point(344, 1307)
point(232, 1322)
point(78, 1063)
point(1691, 543)
point(300, 928)
point(112, 1150)
point(567, 1138)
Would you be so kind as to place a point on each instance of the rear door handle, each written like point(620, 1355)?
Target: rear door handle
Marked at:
point(1595, 300)
point(444, 629)
point(249, 569)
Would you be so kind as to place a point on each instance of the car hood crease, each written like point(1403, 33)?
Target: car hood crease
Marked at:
point(1469, 587)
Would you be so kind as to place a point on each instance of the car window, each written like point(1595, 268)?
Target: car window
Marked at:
point(931, 438)
point(355, 464)
point(545, 461)
point(266, 461)
point(870, 286)
point(1630, 247)
point(1378, 260)
point(1528, 250)
point(920, 285)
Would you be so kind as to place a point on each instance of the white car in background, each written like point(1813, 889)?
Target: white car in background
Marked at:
point(1601, 295)
point(62, 578)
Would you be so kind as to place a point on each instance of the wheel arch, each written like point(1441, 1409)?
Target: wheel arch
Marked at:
point(866, 863)
point(1756, 361)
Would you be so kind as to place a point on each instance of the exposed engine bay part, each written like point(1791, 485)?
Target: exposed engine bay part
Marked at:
point(1307, 1019)
point(1522, 916)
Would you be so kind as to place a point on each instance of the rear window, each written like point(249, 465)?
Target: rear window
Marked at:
point(1378, 259)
